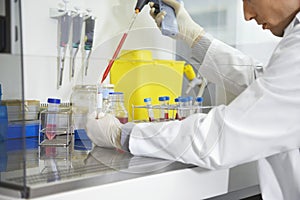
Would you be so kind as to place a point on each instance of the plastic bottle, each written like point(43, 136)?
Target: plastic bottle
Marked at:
point(198, 104)
point(117, 107)
point(53, 108)
point(149, 109)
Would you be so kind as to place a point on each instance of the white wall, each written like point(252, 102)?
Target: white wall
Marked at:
point(113, 18)
point(11, 76)
point(252, 39)
point(2, 8)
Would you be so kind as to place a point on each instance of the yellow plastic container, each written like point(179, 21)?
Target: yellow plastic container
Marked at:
point(139, 76)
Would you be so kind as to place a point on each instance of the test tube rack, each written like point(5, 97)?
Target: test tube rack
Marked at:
point(173, 111)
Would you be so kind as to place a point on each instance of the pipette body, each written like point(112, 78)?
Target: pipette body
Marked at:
point(169, 26)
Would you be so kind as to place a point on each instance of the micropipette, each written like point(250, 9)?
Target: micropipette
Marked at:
point(169, 26)
point(65, 25)
point(111, 62)
point(77, 29)
point(89, 39)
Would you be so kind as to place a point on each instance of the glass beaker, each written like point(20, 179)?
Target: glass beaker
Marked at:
point(84, 102)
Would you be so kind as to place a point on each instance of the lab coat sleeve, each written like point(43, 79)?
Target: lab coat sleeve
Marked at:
point(263, 120)
point(224, 65)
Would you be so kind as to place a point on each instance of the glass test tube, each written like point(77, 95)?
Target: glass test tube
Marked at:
point(176, 100)
point(167, 103)
point(53, 106)
point(162, 108)
point(182, 109)
point(189, 105)
point(149, 109)
point(198, 103)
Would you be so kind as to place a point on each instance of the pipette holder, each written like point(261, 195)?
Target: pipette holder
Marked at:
point(55, 128)
point(65, 17)
point(58, 12)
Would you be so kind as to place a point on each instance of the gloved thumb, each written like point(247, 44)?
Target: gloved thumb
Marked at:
point(174, 4)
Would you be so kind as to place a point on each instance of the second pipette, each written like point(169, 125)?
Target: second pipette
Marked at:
point(117, 51)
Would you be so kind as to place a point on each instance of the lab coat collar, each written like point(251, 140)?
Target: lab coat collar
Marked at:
point(294, 22)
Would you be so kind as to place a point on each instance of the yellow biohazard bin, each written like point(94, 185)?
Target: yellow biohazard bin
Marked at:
point(139, 76)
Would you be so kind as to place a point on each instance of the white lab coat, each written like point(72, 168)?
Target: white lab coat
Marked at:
point(262, 123)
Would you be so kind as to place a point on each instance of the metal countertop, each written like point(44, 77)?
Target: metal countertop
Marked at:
point(59, 169)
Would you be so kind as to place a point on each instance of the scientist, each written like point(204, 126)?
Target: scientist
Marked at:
point(262, 123)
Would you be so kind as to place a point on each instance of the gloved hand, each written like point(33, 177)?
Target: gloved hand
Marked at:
point(189, 31)
point(104, 131)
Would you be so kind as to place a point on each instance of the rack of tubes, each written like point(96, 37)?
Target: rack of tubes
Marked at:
point(160, 113)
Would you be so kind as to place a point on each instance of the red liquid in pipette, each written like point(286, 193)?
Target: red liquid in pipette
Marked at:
point(111, 62)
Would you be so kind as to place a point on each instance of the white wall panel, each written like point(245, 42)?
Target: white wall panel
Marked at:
point(113, 18)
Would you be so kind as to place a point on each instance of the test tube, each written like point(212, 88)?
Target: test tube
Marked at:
point(180, 109)
point(53, 107)
point(176, 100)
point(198, 103)
point(162, 101)
point(189, 105)
point(167, 102)
point(149, 109)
